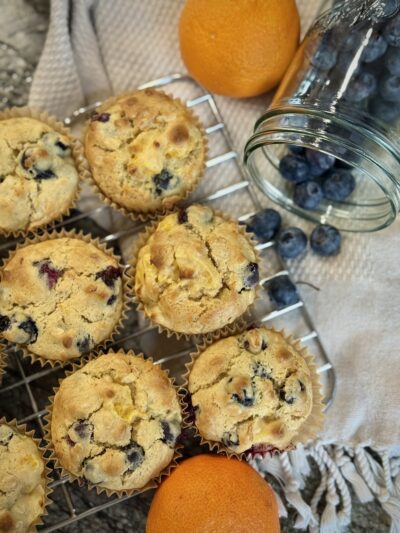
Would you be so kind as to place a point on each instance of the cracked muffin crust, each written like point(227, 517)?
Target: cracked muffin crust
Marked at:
point(146, 150)
point(196, 273)
point(38, 176)
point(22, 481)
point(60, 297)
point(115, 422)
point(250, 390)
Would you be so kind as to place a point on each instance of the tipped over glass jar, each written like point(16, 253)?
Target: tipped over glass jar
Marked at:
point(328, 148)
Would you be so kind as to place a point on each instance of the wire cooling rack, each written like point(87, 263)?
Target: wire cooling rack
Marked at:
point(226, 186)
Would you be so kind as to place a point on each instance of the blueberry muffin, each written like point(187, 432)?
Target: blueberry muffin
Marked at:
point(249, 390)
point(60, 297)
point(196, 273)
point(38, 174)
point(22, 481)
point(146, 151)
point(115, 422)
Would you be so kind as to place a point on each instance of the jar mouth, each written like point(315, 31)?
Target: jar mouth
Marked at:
point(374, 161)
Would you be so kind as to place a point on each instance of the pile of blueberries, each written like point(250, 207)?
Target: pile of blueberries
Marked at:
point(316, 175)
point(325, 240)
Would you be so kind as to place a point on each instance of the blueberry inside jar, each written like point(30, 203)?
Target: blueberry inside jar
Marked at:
point(328, 147)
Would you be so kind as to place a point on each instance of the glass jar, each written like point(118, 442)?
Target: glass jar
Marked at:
point(340, 98)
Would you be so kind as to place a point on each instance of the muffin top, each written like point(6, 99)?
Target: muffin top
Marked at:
point(22, 481)
point(38, 176)
point(197, 272)
point(146, 150)
point(115, 422)
point(60, 297)
point(251, 389)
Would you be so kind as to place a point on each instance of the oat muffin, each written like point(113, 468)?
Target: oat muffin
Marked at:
point(196, 273)
point(146, 151)
point(251, 389)
point(60, 297)
point(22, 481)
point(115, 422)
point(38, 175)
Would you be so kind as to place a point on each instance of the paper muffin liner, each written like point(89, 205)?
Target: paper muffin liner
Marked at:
point(153, 483)
point(309, 429)
point(127, 290)
point(3, 360)
point(228, 329)
point(22, 429)
point(143, 216)
point(77, 153)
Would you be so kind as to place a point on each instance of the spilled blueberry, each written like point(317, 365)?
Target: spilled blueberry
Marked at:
point(265, 224)
point(308, 195)
point(325, 240)
point(109, 275)
point(134, 455)
point(29, 326)
point(162, 180)
point(319, 162)
point(282, 292)
point(338, 185)
point(291, 243)
point(294, 168)
point(84, 344)
point(252, 276)
point(5, 323)
point(100, 117)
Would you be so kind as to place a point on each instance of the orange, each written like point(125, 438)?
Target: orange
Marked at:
point(213, 494)
point(238, 48)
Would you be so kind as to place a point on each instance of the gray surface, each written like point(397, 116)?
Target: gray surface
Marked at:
point(22, 26)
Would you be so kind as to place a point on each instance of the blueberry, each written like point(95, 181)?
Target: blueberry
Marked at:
point(47, 269)
point(243, 399)
point(5, 323)
point(325, 57)
point(282, 292)
point(392, 32)
point(297, 150)
point(36, 173)
point(109, 275)
point(375, 48)
point(338, 185)
point(385, 111)
point(389, 8)
point(325, 240)
point(100, 117)
point(62, 146)
point(361, 87)
point(291, 243)
point(261, 371)
point(392, 61)
point(230, 439)
point(134, 455)
point(84, 429)
point(168, 435)
point(252, 276)
point(162, 181)
point(182, 216)
point(389, 88)
point(111, 299)
point(265, 224)
point(307, 195)
point(69, 441)
point(302, 386)
point(29, 326)
point(294, 168)
point(351, 42)
point(319, 162)
point(285, 398)
point(84, 344)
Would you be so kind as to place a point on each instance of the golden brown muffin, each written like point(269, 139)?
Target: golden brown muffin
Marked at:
point(22, 481)
point(60, 297)
point(115, 422)
point(38, 175)
point(251, 389)
point(196, 273)
point(146, 151)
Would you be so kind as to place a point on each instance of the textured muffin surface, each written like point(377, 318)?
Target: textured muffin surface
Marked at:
point(60, 297)
point(145, 150)
point(197, 272)
point(22, 481)
point(115, 422)
point(251, 389)
point(38, 176)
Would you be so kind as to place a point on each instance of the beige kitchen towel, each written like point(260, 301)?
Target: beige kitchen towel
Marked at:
point(95, 48)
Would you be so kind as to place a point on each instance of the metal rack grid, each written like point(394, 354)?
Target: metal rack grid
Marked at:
point(237, 182)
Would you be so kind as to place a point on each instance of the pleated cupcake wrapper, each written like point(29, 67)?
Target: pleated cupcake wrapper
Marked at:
point(153, 483)
point(81, 164)
point(22, 430)
point(3, 361)
point(127, 290)
point(228, 329)
point(308, 431)
point(143, 216)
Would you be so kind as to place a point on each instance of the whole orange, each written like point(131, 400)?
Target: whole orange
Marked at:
point(238, 48)
point(213, 494)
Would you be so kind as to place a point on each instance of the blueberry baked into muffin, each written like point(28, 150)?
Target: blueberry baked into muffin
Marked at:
point(250, 390)
point(146, 151)
point(196, 273)
point(38, 175)
point(60, 297)
point(115, 422)
point(22, 481)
